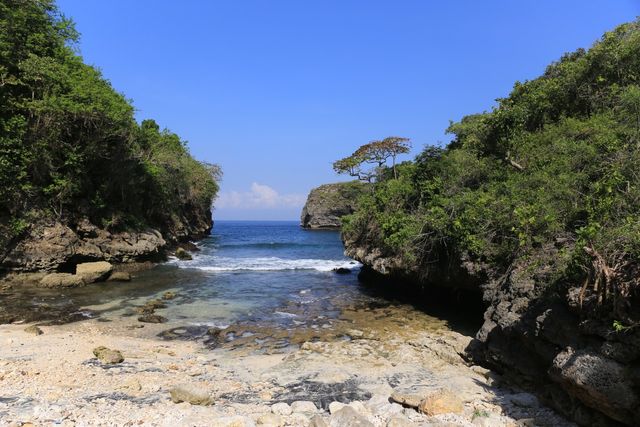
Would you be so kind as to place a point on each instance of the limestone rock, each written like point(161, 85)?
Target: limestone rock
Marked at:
point(61, 280)
point(598, 382)
point(270, 420)
point(49, 246)
point(94, 271)
point(281, 408)
point(441, 402)
point(318, 421)
point(190, 393)
point(108, 356)
point(399, 421)
point(348, 417)
point(327, 204)
point(34, 330)
point(410, 400)
point(335, 407)
point(119, 276)
point(304, 406)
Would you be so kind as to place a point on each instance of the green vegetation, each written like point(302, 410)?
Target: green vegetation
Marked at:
point(376, 154)
point(553, 165)
point(69, 144)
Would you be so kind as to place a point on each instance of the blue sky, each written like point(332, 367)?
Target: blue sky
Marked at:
point(275, 91)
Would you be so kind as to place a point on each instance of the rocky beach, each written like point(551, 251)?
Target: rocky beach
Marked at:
point(385, 366)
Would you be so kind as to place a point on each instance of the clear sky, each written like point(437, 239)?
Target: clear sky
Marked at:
point(275, 91)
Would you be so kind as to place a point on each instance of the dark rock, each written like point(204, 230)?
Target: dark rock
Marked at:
point(152, 318)
point(183, 255)
point(327, 204)
point(342, 270)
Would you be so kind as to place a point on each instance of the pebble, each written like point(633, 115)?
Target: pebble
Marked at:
point(271, 420)
point(348, 417)
point(34, 330)
point(195, 395)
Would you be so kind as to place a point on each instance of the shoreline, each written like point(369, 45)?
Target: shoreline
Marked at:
point(55, 378)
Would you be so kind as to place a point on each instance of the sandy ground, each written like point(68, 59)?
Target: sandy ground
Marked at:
point(54, 378)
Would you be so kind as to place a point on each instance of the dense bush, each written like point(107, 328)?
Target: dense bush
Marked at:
point(69, 144)
point(554, 163)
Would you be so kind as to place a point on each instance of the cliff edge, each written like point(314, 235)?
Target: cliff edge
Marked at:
point(327, 204)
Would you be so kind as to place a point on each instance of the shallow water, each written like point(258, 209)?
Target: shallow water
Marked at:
point(268, 284)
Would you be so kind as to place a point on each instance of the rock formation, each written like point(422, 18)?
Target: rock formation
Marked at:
point(327, 204)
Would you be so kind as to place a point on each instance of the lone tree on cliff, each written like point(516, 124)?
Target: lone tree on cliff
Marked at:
point(376, 153)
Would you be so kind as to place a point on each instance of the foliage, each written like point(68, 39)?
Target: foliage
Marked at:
point(376, 153)
point(554, 163)
point(69, 144)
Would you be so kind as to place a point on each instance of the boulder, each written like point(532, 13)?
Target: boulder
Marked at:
point(304, 406)
point(107, 355)
point(281, 408)
point(318, 421)
point(94, 271)
point(441, 402)
point(119, 276)
point(183, 255)
point(342, 270)
point(168, 295)
point(61, 280)
point(598, 382)
point(190, 393)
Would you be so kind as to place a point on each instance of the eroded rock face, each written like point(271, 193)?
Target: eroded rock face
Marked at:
point(327, 204)
point(55, 246)
point(94, 271)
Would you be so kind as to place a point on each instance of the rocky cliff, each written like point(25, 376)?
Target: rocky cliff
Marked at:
point(327, 204)
point(538, 336)
point(50, 246)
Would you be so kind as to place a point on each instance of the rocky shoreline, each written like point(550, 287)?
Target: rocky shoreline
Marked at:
point(328, 203)
point(537, 337)
point(372, 367)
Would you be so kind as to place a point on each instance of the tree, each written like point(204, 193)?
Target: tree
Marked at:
point(375, 153)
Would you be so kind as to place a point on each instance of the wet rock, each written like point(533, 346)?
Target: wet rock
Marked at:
point(304, 406)
point(119, 276)
point(168, 295)
point(355, 333)
point(108, 356)
point(190, 393)
point(342, 270)
point(33, 330)
point(281, 408)
point(155, 304)
point(94, 271)
point(61, 280)
point(348, 417)
point(183, 255)
point(270, 420)
point(152, 318)
point(441, 402)
point(406, 399)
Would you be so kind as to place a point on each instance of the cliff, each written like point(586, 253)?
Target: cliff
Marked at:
point(327, 204)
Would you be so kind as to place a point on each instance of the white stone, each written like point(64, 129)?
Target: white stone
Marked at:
point(304, 406)
point(335, 407)
point(281, 408)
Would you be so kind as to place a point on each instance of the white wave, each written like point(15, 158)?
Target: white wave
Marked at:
point(222, 264)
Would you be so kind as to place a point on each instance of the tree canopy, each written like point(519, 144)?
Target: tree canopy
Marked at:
point(376, 154)
point(69, 144)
